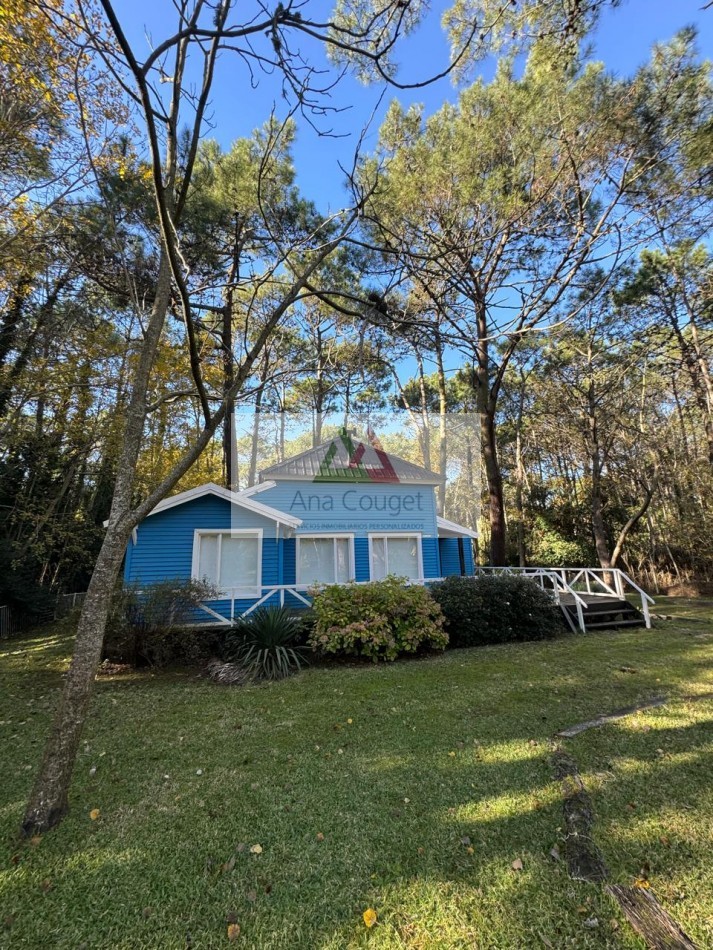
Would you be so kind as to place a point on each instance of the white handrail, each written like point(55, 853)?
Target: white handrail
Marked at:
point(562, 581)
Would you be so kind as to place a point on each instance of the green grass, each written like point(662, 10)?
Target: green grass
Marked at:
point(438, 751)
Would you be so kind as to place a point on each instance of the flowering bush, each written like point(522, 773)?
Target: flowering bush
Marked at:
point(379, 620)
point(496, 609)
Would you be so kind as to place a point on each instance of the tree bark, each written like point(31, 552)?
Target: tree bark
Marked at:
point(442, 433)
point(520, 479)
point(486, 411)
point(49, 799)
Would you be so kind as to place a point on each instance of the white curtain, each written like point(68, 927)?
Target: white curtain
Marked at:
point(229, 562)
point(378, 559)
point(403, 556)
point(316, 561)
point(238, 562)
point(344, 573)
point(208, 558)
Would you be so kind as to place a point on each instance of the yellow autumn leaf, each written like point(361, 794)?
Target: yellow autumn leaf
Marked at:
point(233, 931)
point(369, 916)
point(642, 883)
point(256, 849)
point(94, 814)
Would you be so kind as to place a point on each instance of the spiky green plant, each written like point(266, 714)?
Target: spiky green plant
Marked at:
point(267, 643)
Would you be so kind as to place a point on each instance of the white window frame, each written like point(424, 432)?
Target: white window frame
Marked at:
point(396, 534)
point(325, 536)
point(231, 592)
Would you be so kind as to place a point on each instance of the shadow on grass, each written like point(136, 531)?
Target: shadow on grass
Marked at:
point(440, 757)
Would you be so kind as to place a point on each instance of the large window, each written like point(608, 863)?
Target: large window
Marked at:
point(230, 560)
point(398, 554)
point(325, 560)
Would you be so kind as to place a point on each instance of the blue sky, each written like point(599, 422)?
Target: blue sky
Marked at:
point(622, 41)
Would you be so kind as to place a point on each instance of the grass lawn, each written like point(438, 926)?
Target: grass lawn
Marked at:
point(409, 788)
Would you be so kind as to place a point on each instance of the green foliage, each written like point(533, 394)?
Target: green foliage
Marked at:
point(548, 548)
point(380, 620)
point(496, 609)
point(267, 644)
point(152, 625)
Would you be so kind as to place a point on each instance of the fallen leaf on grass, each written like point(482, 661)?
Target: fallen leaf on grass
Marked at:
point(233, 931)
point(517, 865)
point(642, 883)
point(369, 917)
point(36, 840)
point(256, 849)
point(94, 814)
point(252, 896)
point(229, 865)
point(320, 836)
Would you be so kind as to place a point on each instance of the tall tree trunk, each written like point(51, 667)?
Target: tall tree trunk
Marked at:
point(49, 799)
point(520, 478)
point(599, 531)
point(442, 434)
point(229, 445)
point(486, 411)
point(255, 440)
point(425, 426)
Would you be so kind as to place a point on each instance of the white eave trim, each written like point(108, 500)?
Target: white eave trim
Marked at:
point(449, 529)
point(235, 498)
point(254, 489)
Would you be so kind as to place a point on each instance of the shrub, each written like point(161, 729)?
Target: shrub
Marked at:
point(267, 643)
point(379, 620)
point(151, 624)
point(496, 609)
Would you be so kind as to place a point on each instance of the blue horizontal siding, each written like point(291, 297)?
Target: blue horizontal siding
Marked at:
point(450, 556)
point(164, 547)
point(431, 564)
point(361, 559)
point(289, 562)
point(468, 551)
point(357, 508)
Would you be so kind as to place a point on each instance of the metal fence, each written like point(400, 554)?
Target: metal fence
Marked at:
point(14, 621)
point(67, 602)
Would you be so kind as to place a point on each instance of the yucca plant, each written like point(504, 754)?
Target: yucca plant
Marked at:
point(267, 644)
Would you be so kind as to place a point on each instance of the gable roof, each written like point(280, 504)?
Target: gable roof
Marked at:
point(235, 498)
point(343, 459)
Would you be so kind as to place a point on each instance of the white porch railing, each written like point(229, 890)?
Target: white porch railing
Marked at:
point(576, 581)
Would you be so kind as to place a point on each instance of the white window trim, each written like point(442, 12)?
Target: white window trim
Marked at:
point(231, 592)
point(326, 536)
point(396, 534)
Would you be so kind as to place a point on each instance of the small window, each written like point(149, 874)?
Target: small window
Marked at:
point(324, 560)
point(398, 554)
point(229, 560)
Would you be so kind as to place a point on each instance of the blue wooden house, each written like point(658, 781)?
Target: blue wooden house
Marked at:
point(342, 512)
